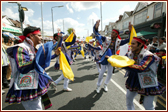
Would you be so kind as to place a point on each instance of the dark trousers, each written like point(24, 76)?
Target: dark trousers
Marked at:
point(4, 73)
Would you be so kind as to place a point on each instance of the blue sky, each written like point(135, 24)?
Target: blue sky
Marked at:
point(77, 15)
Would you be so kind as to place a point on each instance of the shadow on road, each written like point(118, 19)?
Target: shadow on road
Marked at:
point(85, 78)
point(14, 107)
point(53, 93)
point(82, 63)
point(83, 103)
point(87, 67)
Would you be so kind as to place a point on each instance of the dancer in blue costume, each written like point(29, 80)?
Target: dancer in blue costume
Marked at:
point(145, 63)
point(63, 45)
point(29, 82)
point(96, 50)
point(110, 46)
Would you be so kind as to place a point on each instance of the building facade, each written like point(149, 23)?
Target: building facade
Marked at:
point(148, 19)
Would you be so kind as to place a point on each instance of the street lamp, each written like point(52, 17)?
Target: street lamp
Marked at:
point(52, 15)
point(101, 14)
point(21, 13)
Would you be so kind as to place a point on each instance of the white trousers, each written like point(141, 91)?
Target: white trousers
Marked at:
point(98, 67)
point(147, 103)
point(109, 74)
point(66, 81)
point(33, 105)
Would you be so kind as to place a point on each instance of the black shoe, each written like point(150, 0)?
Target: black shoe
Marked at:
point(6, 85)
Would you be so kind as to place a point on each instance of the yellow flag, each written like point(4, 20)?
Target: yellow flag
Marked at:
point(163, 57)
point(120, 61)
point(87, 39)
point(94, 43)
point(82, 52)
point(133, 34)
point(69, 39)
point(64, 66)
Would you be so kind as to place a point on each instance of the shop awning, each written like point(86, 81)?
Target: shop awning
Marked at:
point(142, 33)
point(6, 27)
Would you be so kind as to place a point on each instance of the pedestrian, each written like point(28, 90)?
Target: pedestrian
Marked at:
point(154, 43)
point(7, 45)
point(161, 44)
point(27, 86)
point(110, 47)
point(142, 76)
point(5, 65)
point(63, 45)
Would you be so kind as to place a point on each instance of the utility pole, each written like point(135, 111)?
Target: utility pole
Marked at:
point(101, 14)
point(63, 25)
point(42, 22)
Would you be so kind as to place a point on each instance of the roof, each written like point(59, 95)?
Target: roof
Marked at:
point(15, 22)
point(129, 13)
point(3, 16)
point(145, 4)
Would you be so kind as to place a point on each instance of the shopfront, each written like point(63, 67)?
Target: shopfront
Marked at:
point(14, 30)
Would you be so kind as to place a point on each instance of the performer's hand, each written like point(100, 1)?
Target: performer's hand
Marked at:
point(130, 26)
point(97, 24)
point(59, 30)
point(57, 52)
point(106, 56)
point(73, 30)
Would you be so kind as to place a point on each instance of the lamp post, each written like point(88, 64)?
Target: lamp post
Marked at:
point(63, 25)
point(52, 15)
point(42, 22)
point(101, 14)
point(21, 13)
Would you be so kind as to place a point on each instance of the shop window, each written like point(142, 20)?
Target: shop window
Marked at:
point(140, 18)
point(158, 10)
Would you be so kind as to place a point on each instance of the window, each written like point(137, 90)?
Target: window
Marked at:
point(125, 24)
point(158, 10)
point(140, 18)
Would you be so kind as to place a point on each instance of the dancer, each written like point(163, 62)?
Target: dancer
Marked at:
point(96, 50)
point(145, 66)
point(63, 45)
point(110, 46)
point(32, 86)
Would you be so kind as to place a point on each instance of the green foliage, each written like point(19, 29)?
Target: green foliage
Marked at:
point(70, 30)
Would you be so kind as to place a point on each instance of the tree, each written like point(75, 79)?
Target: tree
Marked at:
point(70, 30)
point(78, 37)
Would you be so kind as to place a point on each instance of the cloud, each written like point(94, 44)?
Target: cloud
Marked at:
point(125, 8)
point(92, 18)
point(79, 6)
point(78, 18)
point(69, 23)
point(69, 9)
point(9, 12)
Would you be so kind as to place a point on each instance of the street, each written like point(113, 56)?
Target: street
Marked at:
point(83, 95)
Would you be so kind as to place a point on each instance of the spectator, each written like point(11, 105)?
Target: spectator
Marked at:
point(154, 41)
point(161, 68)
point(5, 65)
point(161, 44)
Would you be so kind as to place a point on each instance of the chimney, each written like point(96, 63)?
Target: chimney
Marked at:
point(120, 17)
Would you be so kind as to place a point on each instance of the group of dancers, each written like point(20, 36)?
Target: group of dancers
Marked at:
point(30, 63)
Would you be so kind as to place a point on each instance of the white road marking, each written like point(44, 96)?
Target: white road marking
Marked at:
point(136, 102)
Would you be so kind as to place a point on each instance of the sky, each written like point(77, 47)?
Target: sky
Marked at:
point(78, 15)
